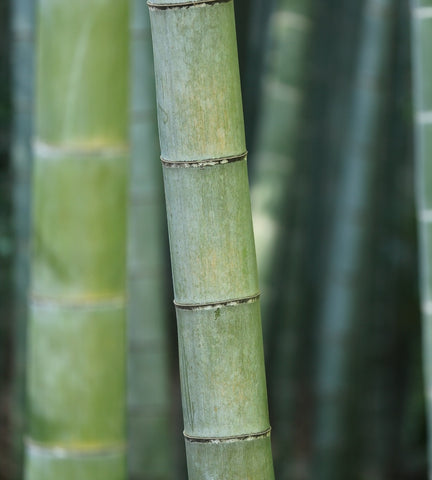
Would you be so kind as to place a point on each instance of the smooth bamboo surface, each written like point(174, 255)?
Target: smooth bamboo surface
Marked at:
point(201, 131)
point(150, 442)
point(76, 354)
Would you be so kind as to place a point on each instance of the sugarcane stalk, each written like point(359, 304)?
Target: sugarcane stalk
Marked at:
point(150, 449)
point(76, 356)
point(201, 132)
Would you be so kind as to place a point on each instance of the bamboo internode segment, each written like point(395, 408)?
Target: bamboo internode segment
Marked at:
point(211, 241)
point(211, 262)
point(76, 353)
point(230, 399)
point(74, 234)
point(199, 99)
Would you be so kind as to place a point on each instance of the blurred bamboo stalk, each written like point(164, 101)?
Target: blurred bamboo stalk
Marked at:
point(22, 18)
point(341, 302)
point(422, 92)
point(76, 356)
point(211, 240)
point(150, 445)
point(278, 131)
point(390, 370)
point(278, 184)
point(252, 60)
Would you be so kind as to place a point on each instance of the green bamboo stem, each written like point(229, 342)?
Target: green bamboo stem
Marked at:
point(278, 131)
point(341, 296)
point(389, 369)
point(422, 85)
point(213, 259)
point(277, 187)
point(76, 356)
point(6, 244)
point(252, 60)
point(149, 434)
point(22, 67)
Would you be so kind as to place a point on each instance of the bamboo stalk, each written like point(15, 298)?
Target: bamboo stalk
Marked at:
point(389, 371)
point(421, 38)
point(76, 357)
point(276, 190)
point(23, 73)
point(341, 297)
point(279, 128)
point(150, 452)
point(253, 64)
point(211, 240)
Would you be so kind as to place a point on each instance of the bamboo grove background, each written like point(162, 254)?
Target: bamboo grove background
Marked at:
point(328, 98)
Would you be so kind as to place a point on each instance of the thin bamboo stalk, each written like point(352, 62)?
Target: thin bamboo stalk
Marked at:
point(150, 449)
point(422, 90)
point(22, 67)
point(211, 240)
point(76, 357)
point(348, 235)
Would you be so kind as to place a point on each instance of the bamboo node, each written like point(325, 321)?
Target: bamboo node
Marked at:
point(66, 451)
point(97, 302)
point(422, 12)
point(208, 162)
point(191, 3)
point(212, 305)
point(229, 439)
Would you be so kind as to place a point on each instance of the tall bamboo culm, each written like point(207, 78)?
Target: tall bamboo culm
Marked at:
point(201, 131)
point(150, 449)
point(76, 357)
point(422, 86)
point(277, 187)
point(341, 300)
point(22, 72)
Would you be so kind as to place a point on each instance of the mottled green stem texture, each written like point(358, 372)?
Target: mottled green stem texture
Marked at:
point(76, 358)
point(150, 446)
point(422, 84)
point(201, 131)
